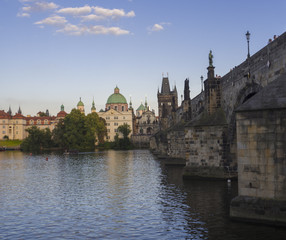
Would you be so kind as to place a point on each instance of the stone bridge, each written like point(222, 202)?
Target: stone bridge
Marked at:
point(208, 139)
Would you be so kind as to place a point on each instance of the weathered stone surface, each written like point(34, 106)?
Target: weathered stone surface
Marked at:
point(253, 209)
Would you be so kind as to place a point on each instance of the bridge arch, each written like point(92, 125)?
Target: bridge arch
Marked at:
point(247, 92)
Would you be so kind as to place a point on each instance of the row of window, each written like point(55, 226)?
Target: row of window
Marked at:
point(4, 132)
point(115, 117)
point(39, 121)
point(32, 121)
point(116, 108)
point(115, 130)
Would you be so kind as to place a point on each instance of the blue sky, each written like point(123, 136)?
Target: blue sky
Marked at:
point(54, 52)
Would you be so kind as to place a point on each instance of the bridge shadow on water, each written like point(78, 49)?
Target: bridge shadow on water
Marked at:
point(208, 205)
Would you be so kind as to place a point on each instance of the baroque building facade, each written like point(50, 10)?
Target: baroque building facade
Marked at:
point(14, 127)
point(116, 114)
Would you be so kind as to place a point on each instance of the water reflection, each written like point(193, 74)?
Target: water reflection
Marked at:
point(112, 195)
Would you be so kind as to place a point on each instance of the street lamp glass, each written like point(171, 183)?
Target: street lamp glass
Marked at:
point(247, 35)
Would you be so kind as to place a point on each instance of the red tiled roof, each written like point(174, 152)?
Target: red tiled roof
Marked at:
point(18, 116)
point(61, 114)
point(4, 115)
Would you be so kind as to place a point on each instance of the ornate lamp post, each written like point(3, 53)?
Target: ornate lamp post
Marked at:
point(248, 55)
point(247, 38)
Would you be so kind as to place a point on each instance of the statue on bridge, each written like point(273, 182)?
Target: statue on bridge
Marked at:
point(211, 59)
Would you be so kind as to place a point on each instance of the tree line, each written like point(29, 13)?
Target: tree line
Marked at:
point(75, 132)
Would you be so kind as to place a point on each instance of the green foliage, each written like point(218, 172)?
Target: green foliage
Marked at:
point(122, 143)
point(125, 130)
point(77, 131)
point(37, 139)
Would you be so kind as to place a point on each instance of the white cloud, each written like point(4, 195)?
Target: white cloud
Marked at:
point(92, 17)
point(107, 31)
point(85, 13)
point(23, 15)
point(157, 27)
point(74, 30)
point(113, 13)
point(40, 6)
point(76, 11)
point(53, 20)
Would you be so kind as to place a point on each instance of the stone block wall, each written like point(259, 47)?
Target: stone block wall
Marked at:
point(261, 151)
point(176, 144)
point(205, 146)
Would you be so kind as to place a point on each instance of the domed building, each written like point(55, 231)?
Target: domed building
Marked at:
point(116, 114)
point(80, 106)
point(117, 101)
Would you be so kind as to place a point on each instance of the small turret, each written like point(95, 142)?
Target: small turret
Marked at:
point(93, 109)
point(10, 111)
point(19, 110)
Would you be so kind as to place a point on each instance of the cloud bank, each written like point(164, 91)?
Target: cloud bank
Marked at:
point(73, 20)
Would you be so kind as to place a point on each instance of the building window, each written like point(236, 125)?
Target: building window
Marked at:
point(16, 127)
point(122, 108)
point(38, 121)
point(46, 121)
point(123, 117)
point(115, 124)
point(115, 108)
point(115, 130)
point(3, 121)
point(16, 132)
point(4, 126)
point(3, 132)
point(31, 121)
point(108, 130)
point(107, 124)
point(107, 117)
point(115, 117)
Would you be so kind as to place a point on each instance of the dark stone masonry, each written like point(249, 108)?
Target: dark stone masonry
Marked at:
point(236, 126)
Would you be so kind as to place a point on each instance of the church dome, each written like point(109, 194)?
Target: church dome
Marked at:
point(116, 98)
point(80, 103)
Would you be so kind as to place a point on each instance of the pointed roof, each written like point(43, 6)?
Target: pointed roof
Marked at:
point(165, 89)
point(62, 107)
point(93, 105)
point(10, 111)
point(20, 111)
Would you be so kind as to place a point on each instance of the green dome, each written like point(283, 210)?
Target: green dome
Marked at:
point(80, 103)
point(116, 98)
point(141, 108)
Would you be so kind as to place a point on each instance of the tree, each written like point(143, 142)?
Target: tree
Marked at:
point(37, 139)
point(125, 130)
point(125, 142)
point(78, 131)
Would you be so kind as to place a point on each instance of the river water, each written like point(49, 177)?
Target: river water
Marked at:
point(114, 195)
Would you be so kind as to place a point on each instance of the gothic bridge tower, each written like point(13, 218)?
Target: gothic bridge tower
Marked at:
point(167, 104)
